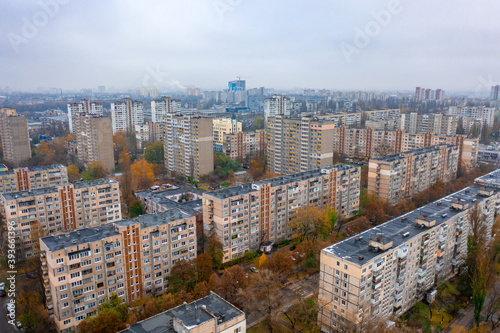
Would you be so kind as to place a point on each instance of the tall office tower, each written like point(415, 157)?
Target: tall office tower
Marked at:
point(15, 136)
point(298, 144)
point(94, 140)
point(240, 145)
point(494, 92)
point(189, 145)
point(131, 258)
point(160, 108)
point(126, 114)
point(243, 217)
point(394, 178)
point(277, 105)
point(24, 179)
point(223, 126)
point(84, 106)
point(236, 85)
point(58, 209)
point(382, 272)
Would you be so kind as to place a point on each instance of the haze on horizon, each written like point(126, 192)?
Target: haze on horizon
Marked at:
point(281, 44)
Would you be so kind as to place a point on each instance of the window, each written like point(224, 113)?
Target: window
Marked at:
point(67, 321)
point(63, 287)
point(60, 261)
point(62, 278)
point(237, 330)
point(65, 305)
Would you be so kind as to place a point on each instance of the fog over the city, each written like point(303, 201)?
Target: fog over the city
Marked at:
point(378, 45)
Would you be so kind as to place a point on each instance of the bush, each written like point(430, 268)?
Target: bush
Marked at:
point(250, 255)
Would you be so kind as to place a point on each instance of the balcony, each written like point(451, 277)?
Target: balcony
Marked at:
point(439, 266)
point(377, 286)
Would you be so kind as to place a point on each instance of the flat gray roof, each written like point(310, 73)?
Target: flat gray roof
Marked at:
point(190, 315)
point(420, 151)
point(351, 248)
point(33, 169)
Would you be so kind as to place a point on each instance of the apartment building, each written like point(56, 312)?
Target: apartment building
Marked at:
point(382, 272)
point(239, 145)
point(277, 105)
point(156, 131)
point(433, 123)
point(208, 314)
point(160, 108)
point(298, 144)
point(126, 114)
point(484, 114)
point(368, 142)
point(94, 140)
point(14, 136)
point(355, 118)
point(63, 208)
point(130, 258)
point(142, 135)
point(245, 216)
point(189, 145)
point(84, 106)
point(400, 176)
point(222, 126)
point(25, 179)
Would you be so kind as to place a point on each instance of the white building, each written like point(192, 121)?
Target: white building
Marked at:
point(160, 108)
point(482, 113)
point(126, 114)
point(277, 105)
point(83, 106)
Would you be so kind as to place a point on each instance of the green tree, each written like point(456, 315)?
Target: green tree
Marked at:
point(214, 249)
point(223, 164)
point(136, 209)
point(154, 152)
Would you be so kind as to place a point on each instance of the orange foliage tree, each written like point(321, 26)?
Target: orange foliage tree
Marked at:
point(143, 174)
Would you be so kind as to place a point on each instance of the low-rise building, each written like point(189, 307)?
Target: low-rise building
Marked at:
point(243, 217)
point(24, 179)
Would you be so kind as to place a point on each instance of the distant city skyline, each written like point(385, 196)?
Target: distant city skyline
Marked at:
point(382, 45)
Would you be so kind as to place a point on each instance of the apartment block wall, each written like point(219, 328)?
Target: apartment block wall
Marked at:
point(84, 106)
point(296, 145)
point(222, 126)
point(245, 216)
point(14, 136)
point(239, 145)
point(383, 271)
point(23, 179)
point(126, 114)
point(396, 177)
point(129, 258)
point(160, 108)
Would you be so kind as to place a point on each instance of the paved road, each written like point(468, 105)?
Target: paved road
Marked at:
point(5, 327)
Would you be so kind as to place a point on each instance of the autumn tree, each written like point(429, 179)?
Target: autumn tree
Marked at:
point(281, 263)
point(111, 316)
point(142, 174)
point(203, 267)
point(153, 152)
point(31, 311)
point(182, 276)
point(73, 173)
point(309, 221)
point(262, 261)
point(214, 249)
point(232, 280)
point(136, 209)
point(298, 257)
point(95, 170)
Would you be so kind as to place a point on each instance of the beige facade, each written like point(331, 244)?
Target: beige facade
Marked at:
point(14, 136)
point(161, 107)
point(189, 145)
point(131, 258)
point(156, 131)
point(222, 126)
point(239, 145)
point(396, 177)
point(24, 179)
point(59, 209)
point(372, 143)
point(298, 144)
point(243, 217)
point(94, 140)
point(383, 271)
point(432, 123)
point(84, 106)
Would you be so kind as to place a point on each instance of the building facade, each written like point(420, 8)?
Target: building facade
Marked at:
point(160, 108)
point(189, 145)
point(432, 123)
point(239, 145)
point(482, 113)
point(222, 126)
point(14, 136)
point(131, 258)
point(396, 177)
point(84, 106)
point(277, 105)
point(94, 140)
point(382, 272)
point(25, 179)
point(298, 144)
point(60, 209)
point(243, 217)
point(126, 114)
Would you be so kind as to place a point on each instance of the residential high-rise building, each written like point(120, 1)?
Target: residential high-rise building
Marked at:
point(239, 145)
point(381, 272)
point(422, 94)
point(126, 114)
point(277, 105)
point(156, 131)
point(368, 142)
point(494, 92)
point(141, 135)
point(298, 144)
point(160, 108)
point(434, 123)
point(84, 106)
point(480, 113)
point(131, 258)
point(243, 217)
point(94, 140)
point(25, 179)
point(14, 136)
point(189, 145)
point(58, 209)
point(396, 177)
point(223, 126)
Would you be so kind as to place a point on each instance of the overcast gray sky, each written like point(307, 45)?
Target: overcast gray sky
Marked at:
point(333, 44)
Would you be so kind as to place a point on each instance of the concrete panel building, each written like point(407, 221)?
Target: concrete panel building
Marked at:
point(131, 258)
point(126, 114)
point(381, 273)
point(222, 126)
point(84, 106)
point(25, 179)
point(160, 108)
point(243, 217)
point(14, 136)
point(396, 177)
point(239, 145)
point(277, 105)
point(298, 144)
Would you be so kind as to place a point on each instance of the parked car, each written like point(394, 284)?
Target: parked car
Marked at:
point(2, 293)
point(254, 269)
point(293, 247)
point(31, 275)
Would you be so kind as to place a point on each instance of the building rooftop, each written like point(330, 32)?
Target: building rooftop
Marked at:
point(33, 169)
point(189, 315)
point(282, 180)
point(415, 152)
point(164, 198)
point(400, 229)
